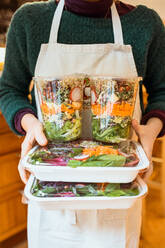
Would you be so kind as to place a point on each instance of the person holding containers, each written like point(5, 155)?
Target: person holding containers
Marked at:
point(99, 38)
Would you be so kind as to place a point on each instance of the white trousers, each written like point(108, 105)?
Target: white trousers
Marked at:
point(84, 228)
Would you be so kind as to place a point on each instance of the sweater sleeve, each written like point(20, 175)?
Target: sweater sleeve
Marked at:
point(155, 113)
point(16, 76)
point(154, 79)
point(18, 117)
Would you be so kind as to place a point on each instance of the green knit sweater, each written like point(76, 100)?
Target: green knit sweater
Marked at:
point(30, 27)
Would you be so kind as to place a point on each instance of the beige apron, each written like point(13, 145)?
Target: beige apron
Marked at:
point(85, 228)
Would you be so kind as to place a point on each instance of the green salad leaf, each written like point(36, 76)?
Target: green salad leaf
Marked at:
point(38, 157)
point(76, 152)
point(69, 131)
point(111, 187)
point(83, 189)
point(100, 161)
point(110, 133)
point(49, 190)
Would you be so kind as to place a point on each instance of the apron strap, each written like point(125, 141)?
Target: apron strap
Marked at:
point(117, 28)
point(56, 22)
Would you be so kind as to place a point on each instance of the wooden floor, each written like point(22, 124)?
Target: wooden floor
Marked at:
point(154, 229)
point(22, 245)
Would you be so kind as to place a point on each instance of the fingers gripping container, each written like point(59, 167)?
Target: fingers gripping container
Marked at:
point(59, 104)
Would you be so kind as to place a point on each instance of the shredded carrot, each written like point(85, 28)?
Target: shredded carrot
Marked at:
point(100, 150)
point(117, 109)
point(99, 185)
point(64, 108)
point(123, 109)
point(49, 110)
point(103, 187)
point(44, 108)
point(97, 109)
point(89, 151)
point(54, 109)
point(105, 150)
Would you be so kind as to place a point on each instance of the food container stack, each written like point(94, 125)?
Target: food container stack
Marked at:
point(71, 173)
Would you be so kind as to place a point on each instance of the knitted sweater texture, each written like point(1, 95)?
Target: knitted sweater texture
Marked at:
point(30, 27)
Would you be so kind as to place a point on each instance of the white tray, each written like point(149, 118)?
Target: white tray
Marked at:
point(88, 174)
point(101, 202)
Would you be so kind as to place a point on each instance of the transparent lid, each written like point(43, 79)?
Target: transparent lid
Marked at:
point(85, 153)
point(67, 189)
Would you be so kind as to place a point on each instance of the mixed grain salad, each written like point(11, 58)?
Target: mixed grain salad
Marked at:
point(61, 105)
point(112, 106)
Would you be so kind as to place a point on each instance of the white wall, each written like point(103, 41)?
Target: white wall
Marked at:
point(158, 5)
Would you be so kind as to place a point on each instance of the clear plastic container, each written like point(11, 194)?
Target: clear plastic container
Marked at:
point(112, 106)
point(70, 189)
point(51, 163)
point(60, 104)
point(53, 202)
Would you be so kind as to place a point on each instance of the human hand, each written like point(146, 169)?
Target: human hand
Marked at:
point(34, 133)
point(147, 135)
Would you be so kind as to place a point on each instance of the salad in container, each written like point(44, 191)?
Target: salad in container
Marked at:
point(87, 161)
point(67, 189)
point(86, 154)
point(112, 106)
point(54, 195)
point(60, 103)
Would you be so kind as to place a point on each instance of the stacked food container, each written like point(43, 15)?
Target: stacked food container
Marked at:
point(100, 172)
